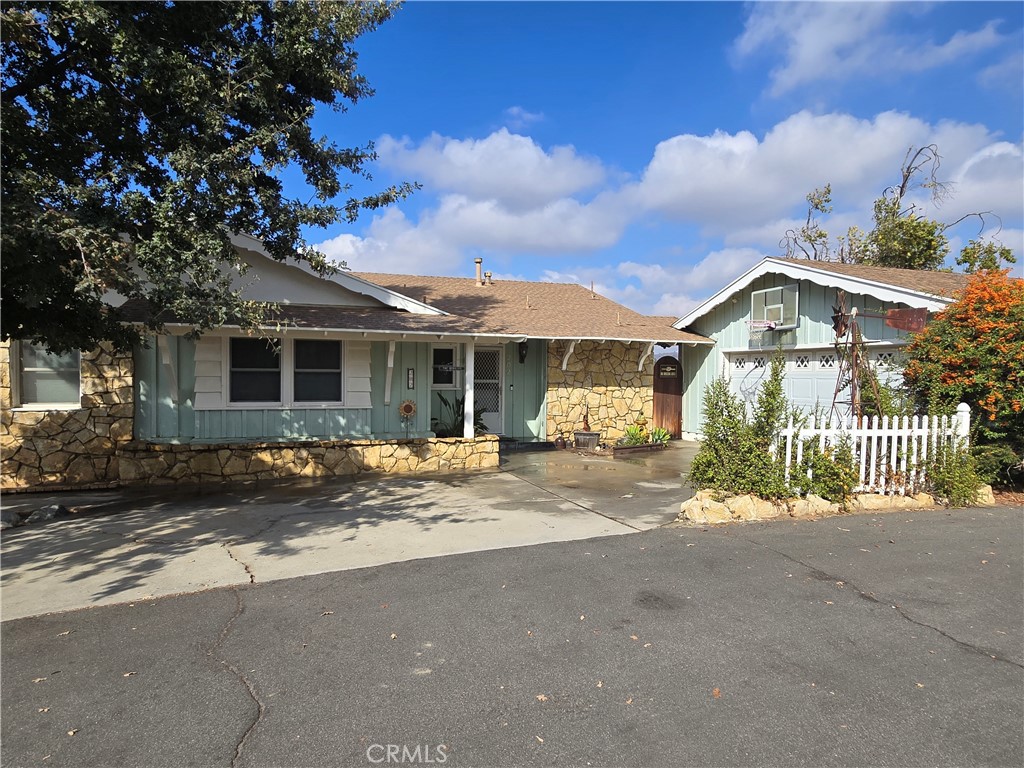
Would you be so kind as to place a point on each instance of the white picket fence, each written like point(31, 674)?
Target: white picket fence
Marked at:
point(892, 453)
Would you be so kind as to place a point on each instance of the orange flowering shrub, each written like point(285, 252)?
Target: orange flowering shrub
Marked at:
point(973, 352)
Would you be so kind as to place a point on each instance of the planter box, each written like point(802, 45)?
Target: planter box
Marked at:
point(628, 450)
point(587, 441)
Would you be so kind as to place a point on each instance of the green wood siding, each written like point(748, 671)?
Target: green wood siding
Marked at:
point(384, 419)
point(727, 325)
point(525, 391)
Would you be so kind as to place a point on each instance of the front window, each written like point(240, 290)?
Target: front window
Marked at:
point(48, 378)
point(317, 371)
point(255, 371)
point(444, 368)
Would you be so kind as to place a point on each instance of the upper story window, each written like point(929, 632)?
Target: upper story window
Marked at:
point(255, 371)
point(780, 306)
point(318, 371)
point(48, 379)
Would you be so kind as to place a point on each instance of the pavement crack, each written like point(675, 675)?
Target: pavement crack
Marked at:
point(250, 687)
point(571, 501)
point(871, 597)
point(245, 565)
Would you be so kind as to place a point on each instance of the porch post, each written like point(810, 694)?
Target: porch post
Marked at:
point(467, 388)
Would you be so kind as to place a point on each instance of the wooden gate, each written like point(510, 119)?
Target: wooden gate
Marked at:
point(668, 395)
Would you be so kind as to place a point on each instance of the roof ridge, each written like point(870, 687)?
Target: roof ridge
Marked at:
point(470, 279)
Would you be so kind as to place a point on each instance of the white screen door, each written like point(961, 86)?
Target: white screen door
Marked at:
point(487, 386)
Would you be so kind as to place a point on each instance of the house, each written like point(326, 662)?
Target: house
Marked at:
point(789, 303)
point(355, 372)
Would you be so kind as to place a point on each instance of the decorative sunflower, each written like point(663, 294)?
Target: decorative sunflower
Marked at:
point(407, 409)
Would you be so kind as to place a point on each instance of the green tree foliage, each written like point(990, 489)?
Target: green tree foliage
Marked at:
point(978, 256)
point(136, 135)
point(901, 236)
point(736, 455)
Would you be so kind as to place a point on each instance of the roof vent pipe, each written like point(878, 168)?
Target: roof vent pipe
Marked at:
point(479, 271)
point(488, 280)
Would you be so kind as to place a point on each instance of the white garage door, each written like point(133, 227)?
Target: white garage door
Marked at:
point(810, 377)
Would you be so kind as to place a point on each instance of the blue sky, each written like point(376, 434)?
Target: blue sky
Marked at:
point(660, 149)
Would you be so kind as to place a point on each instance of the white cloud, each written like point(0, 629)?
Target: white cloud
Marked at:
point(506, 167)
point(1006, 74)
point(746, 190)
point(838, 41)
point(518, 118)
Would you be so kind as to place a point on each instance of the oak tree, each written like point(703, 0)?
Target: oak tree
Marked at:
point(137, 136)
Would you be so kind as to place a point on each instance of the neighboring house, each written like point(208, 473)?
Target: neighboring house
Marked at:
point(324, 399)
point(789, 302)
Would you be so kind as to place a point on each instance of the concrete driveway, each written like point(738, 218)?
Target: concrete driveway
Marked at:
point(122, 546)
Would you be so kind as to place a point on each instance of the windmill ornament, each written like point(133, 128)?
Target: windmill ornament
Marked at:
point(854, 362)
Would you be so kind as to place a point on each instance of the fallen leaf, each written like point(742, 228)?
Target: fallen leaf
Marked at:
point(633, 637)
point(716, 693)
point(38, 679)
point(129, 674)
point(582, 617)
point(864, 550)
point(65, 633)
point(829, 602)
point(691, 545)
point(541, 697)
point(394, 636)
point(600, 684)
point(383, 605)
point(845, 530)
point(538, 738)
point(327, 613)
point(984, 562)
point(920, 685)
point(529, 633)
point(647, 645)
point(629, 700)
point(72, 732)
point(43, 709)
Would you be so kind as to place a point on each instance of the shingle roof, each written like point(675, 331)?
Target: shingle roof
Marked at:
point(925, 280)
point(535, 309)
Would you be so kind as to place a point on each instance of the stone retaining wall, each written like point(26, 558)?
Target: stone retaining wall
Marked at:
point(166, 464)
point(604, 378)
point(78, 448)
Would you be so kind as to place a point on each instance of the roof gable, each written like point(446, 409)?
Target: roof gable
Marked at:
point(920, 289)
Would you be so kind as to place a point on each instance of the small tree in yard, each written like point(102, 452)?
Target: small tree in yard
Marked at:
point(736, 455)
point(973, 352)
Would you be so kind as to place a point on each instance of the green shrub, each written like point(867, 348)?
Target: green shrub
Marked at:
point(735, 456)
point(952, 474)
point(660, 435)
point(995, 463)
point(636, 434)
point(833, 474)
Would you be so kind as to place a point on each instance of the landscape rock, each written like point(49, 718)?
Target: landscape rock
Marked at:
point(985, 497)
point(703, 510)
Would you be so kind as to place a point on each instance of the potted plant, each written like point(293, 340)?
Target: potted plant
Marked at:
point(585, 439)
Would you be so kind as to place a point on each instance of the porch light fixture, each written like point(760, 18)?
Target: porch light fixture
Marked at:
point(524, 347)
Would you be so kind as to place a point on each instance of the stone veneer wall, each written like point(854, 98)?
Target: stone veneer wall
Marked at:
point(41, 449)
point(167, 464)
point(604, 377)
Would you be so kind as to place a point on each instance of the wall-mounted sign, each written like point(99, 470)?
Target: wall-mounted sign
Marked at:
point(668, 372)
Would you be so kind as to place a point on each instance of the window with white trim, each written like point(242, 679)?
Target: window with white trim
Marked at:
point(780, 306)
point(46, 378)
point(317, 375)
point(255, 371)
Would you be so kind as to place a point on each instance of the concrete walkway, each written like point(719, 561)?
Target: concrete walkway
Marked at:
point(123, 546)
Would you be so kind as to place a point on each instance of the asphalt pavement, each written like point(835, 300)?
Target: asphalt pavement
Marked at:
point(889, 640)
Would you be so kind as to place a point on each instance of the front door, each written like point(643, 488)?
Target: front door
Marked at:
point(487, 391)
point(668, 395)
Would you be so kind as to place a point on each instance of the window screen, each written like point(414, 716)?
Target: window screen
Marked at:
point(49, 378)
point(255, 371)
point(317, 371)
